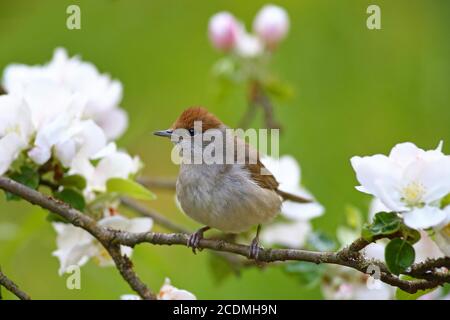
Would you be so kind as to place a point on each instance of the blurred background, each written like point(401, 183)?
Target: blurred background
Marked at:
point(357, 92)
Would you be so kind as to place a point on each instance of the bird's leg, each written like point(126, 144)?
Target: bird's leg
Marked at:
point(255, 247)
point(194, 239)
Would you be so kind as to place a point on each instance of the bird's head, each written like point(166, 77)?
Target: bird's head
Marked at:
point(194, 120)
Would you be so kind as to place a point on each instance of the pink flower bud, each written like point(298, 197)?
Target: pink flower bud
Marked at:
point(223, 30)
point(271, 24)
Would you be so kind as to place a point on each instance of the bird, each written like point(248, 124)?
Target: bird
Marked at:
point(230, 196)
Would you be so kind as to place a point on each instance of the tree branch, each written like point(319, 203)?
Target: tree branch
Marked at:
point(12, 287)
point(77, 218)
point(157, 217)
point(158, 183)
point(111, 239)
point(257, 97)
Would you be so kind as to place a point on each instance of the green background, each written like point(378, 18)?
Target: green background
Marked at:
point(357, 92)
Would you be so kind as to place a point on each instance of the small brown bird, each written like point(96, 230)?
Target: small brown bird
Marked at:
point(231, 197)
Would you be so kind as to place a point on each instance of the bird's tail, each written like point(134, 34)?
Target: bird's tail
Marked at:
point(293, 197)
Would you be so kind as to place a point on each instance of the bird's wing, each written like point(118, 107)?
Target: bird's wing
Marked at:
point(261, 175)
point(258, 172)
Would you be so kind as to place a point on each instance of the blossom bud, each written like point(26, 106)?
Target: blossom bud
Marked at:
point(223, 30)
point(271, 24)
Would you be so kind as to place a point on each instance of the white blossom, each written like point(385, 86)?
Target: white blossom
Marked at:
point(112, 164)
point(289, 234)
point(342, 283)
point(442, 237)
point(287, 172)
point(410, 181)
point(167, 292)
point(76, 246)
point(130, 297)
point(102, 95)
point(15, 129)
point(271, 24)
point(247, 45)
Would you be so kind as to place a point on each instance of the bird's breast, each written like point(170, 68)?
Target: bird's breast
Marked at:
point(224, 197)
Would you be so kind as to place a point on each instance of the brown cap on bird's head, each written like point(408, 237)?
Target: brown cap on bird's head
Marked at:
point(188, 117)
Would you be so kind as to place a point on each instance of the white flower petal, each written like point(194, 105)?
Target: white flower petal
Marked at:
point(426, 248)
point(114, 122)
point(423, 218)
point(404, 153)
point(10, 146)
point(291, 235)
point(130, 297)
point(169, 292)
point(380, 177)
point(286, 170)
point(117, 165)
point(247, 45)
point(74, 244)
point(302, 211)
point(375, 251)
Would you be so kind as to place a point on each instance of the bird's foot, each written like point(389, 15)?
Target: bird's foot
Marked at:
point(194, 239)
point(255, 249)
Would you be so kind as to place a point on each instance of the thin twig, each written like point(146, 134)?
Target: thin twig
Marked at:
point(257, 97)
point(156, 216)
point(248, 116)
point(109, 238)
point(12, 287)
point(157, 183)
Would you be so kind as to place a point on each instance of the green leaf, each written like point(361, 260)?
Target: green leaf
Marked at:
point(409, 234)
point(26, 176)
point(384, 223)
point(399, 255)
point(403, 295)
point(307, 273)
point(129, 188)
point(74, 181)
point(71, 197)
point(445, 201)
point(279, 89)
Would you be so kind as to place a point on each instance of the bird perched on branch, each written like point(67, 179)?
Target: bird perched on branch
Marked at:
point(222, 182)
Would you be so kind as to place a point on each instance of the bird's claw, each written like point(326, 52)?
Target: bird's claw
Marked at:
point(254, 250)
point(194, 239)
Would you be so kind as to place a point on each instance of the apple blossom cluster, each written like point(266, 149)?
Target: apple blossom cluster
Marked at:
point(412, 183)
point(58, 123)
point(340, 283)
point(228, 34)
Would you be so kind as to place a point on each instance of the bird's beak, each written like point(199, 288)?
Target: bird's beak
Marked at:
point(164, 133)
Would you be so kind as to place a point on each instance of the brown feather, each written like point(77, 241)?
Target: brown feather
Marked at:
point(263, 177)
point(190, 115)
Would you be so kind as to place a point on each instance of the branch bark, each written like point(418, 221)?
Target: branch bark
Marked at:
point(112, 239)
point(77, 218)
point(12, 287)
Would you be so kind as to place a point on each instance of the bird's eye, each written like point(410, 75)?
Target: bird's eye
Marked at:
point(191, 132)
